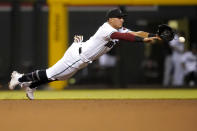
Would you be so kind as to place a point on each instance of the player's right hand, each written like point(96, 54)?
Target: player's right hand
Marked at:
point(78, 38)
point(151, 40)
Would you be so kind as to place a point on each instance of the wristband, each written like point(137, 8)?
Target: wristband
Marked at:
point(139, 39)
point(151, 35)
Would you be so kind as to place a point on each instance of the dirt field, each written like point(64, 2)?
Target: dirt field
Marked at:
point(98, 115)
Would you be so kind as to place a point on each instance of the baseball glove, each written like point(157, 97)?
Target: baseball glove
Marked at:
point(165, 32)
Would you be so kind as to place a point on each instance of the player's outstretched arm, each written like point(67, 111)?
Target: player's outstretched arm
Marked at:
point(151, 39)
point(164, 32)
point(133, 38)
point(140, 34)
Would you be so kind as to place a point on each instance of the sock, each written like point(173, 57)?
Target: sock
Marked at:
point(38, 75)
point(38, 83)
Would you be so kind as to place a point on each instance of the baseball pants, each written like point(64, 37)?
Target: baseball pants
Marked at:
point(68, 65)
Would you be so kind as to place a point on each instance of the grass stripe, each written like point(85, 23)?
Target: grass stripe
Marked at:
point(106, 94)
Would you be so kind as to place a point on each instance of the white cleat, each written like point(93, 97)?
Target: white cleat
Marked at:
point(14, 80)
point(30, 93)
point(24, 85)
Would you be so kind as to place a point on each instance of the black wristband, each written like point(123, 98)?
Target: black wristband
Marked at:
point(139, 39)
point(151, 35)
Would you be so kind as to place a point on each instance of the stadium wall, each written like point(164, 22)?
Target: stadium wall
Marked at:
point(24, 37)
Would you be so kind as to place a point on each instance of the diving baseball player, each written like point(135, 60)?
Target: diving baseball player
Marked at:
point(80, 53)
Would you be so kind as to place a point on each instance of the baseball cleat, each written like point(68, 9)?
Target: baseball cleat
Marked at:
point(24, 85)
point(14, 80)
point(30, 93)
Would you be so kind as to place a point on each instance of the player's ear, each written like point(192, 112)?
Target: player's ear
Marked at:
point(110, 19)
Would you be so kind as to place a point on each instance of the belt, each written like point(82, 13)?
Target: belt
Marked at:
point(80, 50)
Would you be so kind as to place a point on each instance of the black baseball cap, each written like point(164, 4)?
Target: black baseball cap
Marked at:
point(115, 13)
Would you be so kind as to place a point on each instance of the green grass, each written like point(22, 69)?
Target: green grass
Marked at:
point(106, 94)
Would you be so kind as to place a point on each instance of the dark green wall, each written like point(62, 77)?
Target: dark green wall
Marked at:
point(24, 32)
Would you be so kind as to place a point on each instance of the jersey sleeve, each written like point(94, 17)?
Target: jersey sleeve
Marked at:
point(106, 31)
point(126, 36)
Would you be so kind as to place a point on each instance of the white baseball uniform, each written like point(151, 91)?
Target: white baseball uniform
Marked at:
point(178, 49)
point(190, 61)
point(99, 44)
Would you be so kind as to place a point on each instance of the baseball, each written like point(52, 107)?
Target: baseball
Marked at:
point(181, 39)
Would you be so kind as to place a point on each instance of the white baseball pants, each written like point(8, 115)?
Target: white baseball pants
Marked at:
point(68, 65)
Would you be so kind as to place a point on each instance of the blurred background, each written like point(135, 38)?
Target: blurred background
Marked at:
point(30, 29)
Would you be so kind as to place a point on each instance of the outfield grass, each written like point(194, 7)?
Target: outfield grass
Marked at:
point(106, 94)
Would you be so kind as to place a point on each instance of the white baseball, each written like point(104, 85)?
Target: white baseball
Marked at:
point(181, 39)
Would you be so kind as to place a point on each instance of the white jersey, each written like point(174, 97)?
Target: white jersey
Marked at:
point(100, 43)
point(178, 45)
point(190, 61)
point(72, 60)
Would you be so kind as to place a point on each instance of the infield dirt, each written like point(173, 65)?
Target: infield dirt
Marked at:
point(98, 115)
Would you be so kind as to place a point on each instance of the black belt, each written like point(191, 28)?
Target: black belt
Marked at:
point(80, 50)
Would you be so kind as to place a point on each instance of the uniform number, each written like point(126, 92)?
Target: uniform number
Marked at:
point(110, 44)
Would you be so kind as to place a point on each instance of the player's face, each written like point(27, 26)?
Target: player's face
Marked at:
point(116, 22)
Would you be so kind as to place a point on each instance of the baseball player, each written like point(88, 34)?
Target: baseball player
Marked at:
point(80, 53)
point(189, 63)
point(177, 52)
